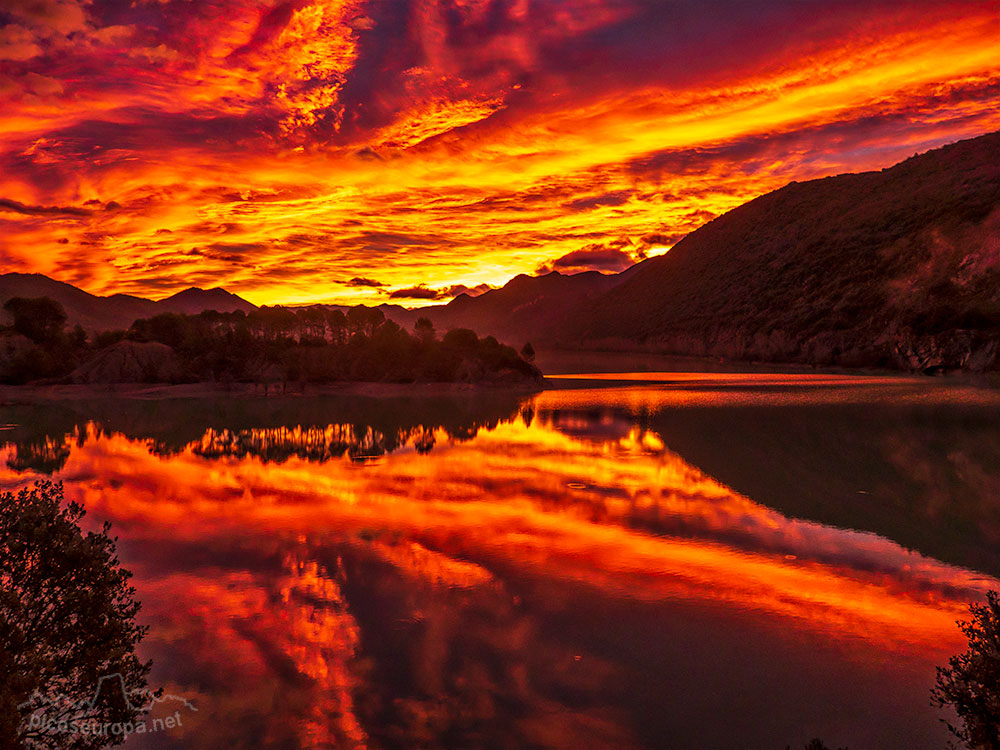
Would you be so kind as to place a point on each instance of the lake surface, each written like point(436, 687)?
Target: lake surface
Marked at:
point(628, 560)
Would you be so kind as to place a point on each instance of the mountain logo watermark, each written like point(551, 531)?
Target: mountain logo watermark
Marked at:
point(57, 714)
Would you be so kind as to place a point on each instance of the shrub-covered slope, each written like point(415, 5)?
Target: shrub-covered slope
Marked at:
point(897, 268)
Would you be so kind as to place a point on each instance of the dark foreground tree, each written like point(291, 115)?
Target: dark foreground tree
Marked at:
point(971, 682)
point(69, 674)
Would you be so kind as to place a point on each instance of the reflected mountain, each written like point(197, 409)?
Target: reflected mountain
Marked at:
point(925, 475)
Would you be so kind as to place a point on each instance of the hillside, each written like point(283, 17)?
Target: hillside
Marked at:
point(896, 268)
point(90, 311)
point(527, 307)
point(117, 311)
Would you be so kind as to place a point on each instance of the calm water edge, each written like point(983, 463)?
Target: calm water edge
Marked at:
point(627, 560)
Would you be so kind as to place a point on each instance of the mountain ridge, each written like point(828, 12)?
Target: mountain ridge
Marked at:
point(116, 311)
point(897, 268)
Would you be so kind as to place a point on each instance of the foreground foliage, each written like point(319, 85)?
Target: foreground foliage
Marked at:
point(67, 626)
point(970, 684)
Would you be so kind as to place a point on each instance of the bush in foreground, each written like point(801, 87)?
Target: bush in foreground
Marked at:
point(67, 627)
point(970, 684)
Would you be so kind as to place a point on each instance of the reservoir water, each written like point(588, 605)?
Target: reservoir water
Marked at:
point(626, 560)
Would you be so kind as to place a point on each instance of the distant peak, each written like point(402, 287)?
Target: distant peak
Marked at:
point(195, 299)
point(191, 291)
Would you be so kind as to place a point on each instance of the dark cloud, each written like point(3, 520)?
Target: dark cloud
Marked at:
point(134, 129)
point(658, 239)
point(229, 252)
point(362, 281)
point(427, 293)
point(595, 257)
point(6, 204)
point(417, 292)
point(614, 198)
point(270, 25)
point(238, 247)
point(209, 227)
point(394, 239)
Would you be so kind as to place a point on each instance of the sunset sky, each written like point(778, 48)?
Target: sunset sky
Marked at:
point(404, 150)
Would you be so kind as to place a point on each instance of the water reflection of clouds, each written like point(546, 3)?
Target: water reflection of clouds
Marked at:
point(511, 485)
point(502, 586)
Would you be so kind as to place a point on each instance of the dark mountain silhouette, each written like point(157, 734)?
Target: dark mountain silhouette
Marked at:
point(117, 311)
point(897, 268)
point(89, 310)
point(527, 307)
point(193, 300)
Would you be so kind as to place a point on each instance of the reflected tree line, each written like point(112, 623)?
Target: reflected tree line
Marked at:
point(924, 477)
point(316, 444)
point(274, 430)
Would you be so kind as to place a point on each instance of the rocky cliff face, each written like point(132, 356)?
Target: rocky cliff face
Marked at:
point(955, 350)
point(902, 349)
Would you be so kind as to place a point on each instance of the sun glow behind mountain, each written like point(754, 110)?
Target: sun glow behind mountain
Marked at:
point(338, 150)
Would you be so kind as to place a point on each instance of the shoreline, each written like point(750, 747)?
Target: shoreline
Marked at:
point(29, 394)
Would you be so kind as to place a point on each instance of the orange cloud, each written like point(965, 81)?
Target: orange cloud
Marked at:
point(425, 147)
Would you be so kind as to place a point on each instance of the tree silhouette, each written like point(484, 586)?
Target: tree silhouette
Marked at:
point(67, 628)
point(38, 318)
point(364, 321)
point(461, 339)
point(817, 744)
point(424, 330)
point(971, 682)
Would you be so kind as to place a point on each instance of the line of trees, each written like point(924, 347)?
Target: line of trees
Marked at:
point(317, 345)
point(271, 345)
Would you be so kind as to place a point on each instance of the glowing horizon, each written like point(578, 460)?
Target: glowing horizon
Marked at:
point(359, 152)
